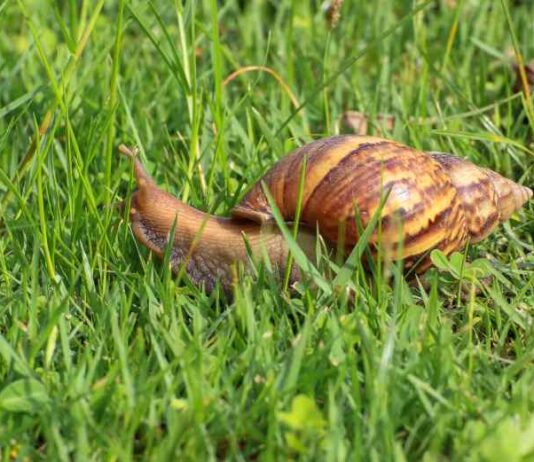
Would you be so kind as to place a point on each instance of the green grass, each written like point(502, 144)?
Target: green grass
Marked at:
point(104, 356)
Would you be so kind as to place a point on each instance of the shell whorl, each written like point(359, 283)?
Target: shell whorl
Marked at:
point(435, 200)
point(487, 198)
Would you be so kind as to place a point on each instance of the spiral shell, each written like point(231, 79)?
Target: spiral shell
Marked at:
point(487, 198)
point(434, 200)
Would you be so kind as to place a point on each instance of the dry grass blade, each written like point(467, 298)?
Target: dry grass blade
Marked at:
point(269, 71)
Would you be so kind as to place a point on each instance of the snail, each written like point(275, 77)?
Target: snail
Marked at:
point(432, 201)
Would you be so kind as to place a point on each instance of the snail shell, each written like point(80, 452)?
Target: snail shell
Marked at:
point(432, 201)
point(440, 200)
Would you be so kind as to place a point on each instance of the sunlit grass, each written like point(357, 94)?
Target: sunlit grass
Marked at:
point(104, 355)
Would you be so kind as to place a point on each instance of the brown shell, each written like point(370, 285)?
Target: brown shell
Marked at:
point(435, 200)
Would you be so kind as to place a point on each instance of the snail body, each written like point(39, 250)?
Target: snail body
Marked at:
point(429, 201)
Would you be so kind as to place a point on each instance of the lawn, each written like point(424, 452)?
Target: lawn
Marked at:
point(104, 355)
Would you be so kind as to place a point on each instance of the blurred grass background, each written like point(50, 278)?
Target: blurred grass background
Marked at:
point(104, 356)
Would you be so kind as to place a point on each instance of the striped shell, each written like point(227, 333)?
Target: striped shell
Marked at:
point(435, 200)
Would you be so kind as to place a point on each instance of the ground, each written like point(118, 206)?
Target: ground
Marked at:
point(104, 355)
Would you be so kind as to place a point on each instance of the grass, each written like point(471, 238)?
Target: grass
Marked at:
point(104, 356)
